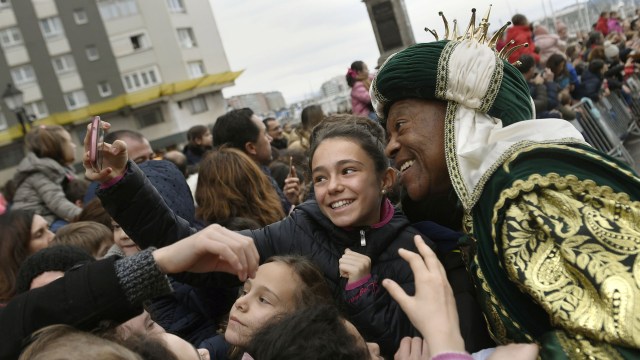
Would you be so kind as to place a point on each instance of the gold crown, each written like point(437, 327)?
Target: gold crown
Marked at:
point(479, 34)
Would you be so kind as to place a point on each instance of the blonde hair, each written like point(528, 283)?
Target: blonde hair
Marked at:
point(87, 235)
point(63, 342)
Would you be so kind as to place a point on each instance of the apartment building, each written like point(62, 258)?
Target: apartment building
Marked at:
point(154, 66)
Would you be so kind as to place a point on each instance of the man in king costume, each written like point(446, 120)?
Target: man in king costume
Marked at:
point(553, 225)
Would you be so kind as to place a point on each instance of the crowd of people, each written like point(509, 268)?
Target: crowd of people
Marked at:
point(562, 70)
point(452, 215)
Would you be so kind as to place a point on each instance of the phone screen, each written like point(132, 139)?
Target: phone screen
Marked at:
point(96, 138)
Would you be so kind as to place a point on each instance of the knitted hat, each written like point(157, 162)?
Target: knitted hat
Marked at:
point(463, 69)
point(172, 186)
point(610, 50)
point(53, 258)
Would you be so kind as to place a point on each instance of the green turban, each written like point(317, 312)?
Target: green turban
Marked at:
point(466, 72)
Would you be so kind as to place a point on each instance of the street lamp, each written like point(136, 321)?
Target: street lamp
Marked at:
point(14, 99)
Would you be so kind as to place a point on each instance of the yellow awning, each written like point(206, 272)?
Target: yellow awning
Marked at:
point(129, 99)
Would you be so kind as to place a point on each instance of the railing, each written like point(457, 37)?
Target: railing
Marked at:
point(607, 123)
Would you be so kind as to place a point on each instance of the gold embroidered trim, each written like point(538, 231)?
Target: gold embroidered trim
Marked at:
point(497, 314)
point(574, 247)
point(451, 153)
point(494, 87)
point(510, 153)
point(442, 76)
point(581, 348)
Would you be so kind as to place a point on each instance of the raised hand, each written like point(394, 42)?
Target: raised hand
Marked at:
point(354, 266)
point(432, 310)
point(291, 188)
point(114, 158)
point(214, 248)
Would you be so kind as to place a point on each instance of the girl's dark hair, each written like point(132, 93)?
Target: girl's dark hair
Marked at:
point(313, 333)
point(366, 133)
point(315, 290)
point(595, 66)
point(15, 235)
point(556, 60)
point(355, 66)
point(46, 141)
point(196, 132)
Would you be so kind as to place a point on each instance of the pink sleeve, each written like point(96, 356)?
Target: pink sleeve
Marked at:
point(452, 356)
point(358, 283)
point(360, 92)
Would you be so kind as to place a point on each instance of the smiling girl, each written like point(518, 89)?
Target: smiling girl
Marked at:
point(352, 231)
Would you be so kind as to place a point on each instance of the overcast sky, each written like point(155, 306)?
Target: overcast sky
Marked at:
point(293, 46)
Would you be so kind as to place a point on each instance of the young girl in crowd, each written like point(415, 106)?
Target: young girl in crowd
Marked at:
point(22, 233)
point(200, 141)
point(351, 230)
point(42, 175)
point(359, 81)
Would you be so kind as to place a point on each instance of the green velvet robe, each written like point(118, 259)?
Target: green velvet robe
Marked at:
point(556, 234)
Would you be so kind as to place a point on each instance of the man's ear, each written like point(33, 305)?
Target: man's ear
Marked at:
point(250, 148)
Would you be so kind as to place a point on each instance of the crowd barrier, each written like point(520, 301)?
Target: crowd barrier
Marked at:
point(606, 123)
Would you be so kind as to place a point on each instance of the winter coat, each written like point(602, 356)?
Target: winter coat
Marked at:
point(602, 26)
point(85, 296)
point(360, 100)
point(308, 232)
point(194, 154)
point(40, 187)
point(614, 26)
point(547, 44)
point(521, 34)
point(545, 96)
point(589, 86)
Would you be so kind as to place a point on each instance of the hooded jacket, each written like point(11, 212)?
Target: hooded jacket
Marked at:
point(306, 231)
point(521, 34)
point(39, 187)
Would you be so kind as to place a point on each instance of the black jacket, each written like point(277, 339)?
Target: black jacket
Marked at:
point(82, 298)
point(149, 222)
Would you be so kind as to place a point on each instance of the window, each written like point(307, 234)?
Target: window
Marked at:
point(186, 38)
point(75, 99)
point(196, 69)
point(175, 5)
point(139, 41)
point(148, 117)
point(113, 9)
point(10, 37)
point(51, 26)
point(63, 63)
point(80, 16)
point(198, 104)
point(38, 109)
point(23, 74)
point(104, 88)
point(140, 79)
point(92, 53)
